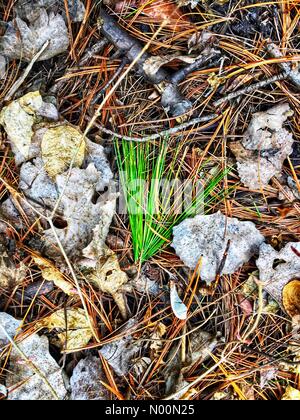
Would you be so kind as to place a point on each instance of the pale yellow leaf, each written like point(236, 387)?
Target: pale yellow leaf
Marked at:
point(51, 273)
point(291, 394)
point(73, 327)
point(109, 278)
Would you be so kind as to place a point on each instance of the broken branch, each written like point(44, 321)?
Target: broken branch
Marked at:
point(171, 98)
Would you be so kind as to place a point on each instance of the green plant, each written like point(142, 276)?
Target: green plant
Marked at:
point(153, 177)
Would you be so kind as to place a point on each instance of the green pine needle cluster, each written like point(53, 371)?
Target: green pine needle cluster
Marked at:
point(153, 210)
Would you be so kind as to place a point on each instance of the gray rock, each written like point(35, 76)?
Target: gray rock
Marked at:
point(208, 236)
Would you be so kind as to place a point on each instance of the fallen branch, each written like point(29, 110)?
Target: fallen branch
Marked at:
point(171, 98)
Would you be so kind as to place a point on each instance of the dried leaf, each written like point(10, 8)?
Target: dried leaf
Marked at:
point(86, 381)
point(120, 353)
point(179, 308)
point(291, 298)
point(291, 394)
point(201, 40)
point(162, 10)
point(83, 204)
point(154, 63)
point(18, 119)
point(29, 9)
point(60, 147)
point(75, 325)
point(51, 273)
point(277, 269)
point(10, 275)
point(265, 146)
point(107, 276)
point(23, 41)
point(160, 330)
point(223, 244)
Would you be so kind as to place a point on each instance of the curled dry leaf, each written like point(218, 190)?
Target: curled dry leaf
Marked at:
point(159, 332)
point(75, 327)
point(52, 274)
point(24, 40)
point(10, 275)
point(109, 278)
point(291, 394)
point(291, 298)
point(277, 269)
point(29, 9)
point(18, 119)
point(265, 146)
point(154, 63)
point(201, 40)
point(179, 308)
point(86, 380)
point(220, 244)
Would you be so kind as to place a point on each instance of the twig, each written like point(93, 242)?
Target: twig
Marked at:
point(250, 89)
point(95, 49)
point(26, 72)
point(164, 133)
point(291, 74)
point(171, 98)
point(114, 77)
point(181, 74)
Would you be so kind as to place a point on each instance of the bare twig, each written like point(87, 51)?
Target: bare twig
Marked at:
point(114, 77)
point(250, 89)
point(93, 50)
point(292, 74)
point(165, 133)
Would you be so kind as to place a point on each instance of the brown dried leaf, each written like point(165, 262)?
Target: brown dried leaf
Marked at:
point(109, 278)
point(291, 298)
point(10, 275)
